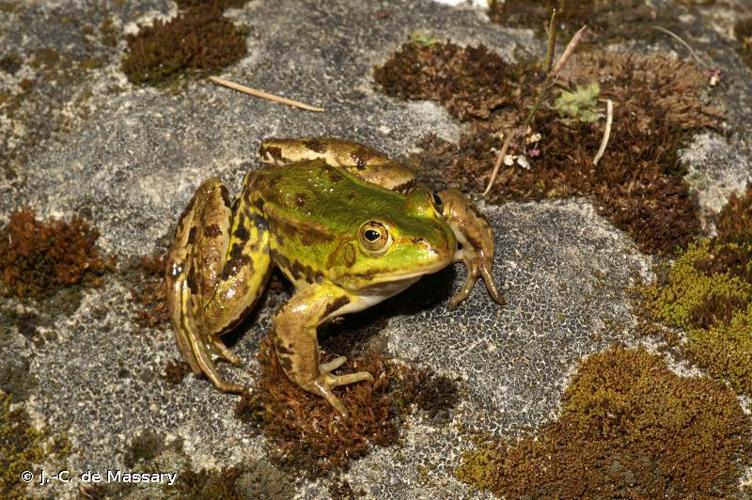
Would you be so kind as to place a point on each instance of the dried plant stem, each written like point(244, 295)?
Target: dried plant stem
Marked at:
point(607, 132)
point(551, 77)
point(263, 95)
point(681, 40)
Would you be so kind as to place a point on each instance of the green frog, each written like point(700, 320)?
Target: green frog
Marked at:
point(344, 223)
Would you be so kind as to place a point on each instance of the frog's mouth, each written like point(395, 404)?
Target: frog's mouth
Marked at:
point(386, 285)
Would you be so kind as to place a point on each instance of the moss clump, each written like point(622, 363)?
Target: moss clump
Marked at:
point(38, 258)
point(220, 4)
point(306, 433)
point(200, 40)
point(146, 275)
point(638, 184)
point(22, 446)
point(708, 293)
point(743, 33)
point(630, 428)
point(469, 82)
point(608, 21)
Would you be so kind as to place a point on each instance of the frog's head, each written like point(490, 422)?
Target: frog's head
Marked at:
point(390, 251)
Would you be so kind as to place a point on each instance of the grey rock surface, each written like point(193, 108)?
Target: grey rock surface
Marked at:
point(129, 158)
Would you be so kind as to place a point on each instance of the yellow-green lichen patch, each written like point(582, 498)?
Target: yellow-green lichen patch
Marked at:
point(38, 258)
point(200, 40)
point(629, 428)
point(22, 446)
point(708, 294)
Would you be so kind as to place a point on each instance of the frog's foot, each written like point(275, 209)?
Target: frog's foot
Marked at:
point(202, 351)
point(325, 382)
point(220, 350)
point(475, 236)
point(478, 265)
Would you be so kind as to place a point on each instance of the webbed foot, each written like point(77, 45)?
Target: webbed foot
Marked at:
point(475, 235)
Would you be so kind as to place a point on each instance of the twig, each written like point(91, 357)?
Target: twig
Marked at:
point(264, 95)
point(550, 81)
point(607, 132)
point(681, 40)
point(551, 42)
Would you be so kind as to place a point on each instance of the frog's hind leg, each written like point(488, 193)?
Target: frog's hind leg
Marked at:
point(297, 346)
point(217, 267)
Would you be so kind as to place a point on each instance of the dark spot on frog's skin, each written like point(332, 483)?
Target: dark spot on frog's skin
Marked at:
point(236, 251)
point(236, 262)
point(334, 176)
point(315, 145)
point(405, 187)
point(300, 199)
point(225, 196)
point(259, 204)
point(212, 231)
point(348, 254)
point(418, 240)
point(337, 304)
point(192, 235)
point(360, 157)
point(191, 280)
point(260, 222)
point(241, 232)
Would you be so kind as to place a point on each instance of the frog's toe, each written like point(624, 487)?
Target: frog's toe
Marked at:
point(324, 384)
point(477, 267)
point(219, 349)
point(350, 378)
point(332, 365)
point(485, 272)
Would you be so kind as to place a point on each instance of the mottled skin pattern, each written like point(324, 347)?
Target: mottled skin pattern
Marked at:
point(346, 226)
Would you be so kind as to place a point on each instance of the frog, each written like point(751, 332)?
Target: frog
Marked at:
point(348, 226)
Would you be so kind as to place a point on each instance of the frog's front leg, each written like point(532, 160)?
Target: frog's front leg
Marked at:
point(296, 342)
point(216, 268)
point(475, 235)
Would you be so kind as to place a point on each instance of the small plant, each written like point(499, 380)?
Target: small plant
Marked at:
point(580, 105)
point(424, 40)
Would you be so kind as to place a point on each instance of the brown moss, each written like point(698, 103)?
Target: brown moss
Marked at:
point(220, 4)
point(735, 220)
point(743, 33)
point(200, 40)
point(608, 21)
point(470, 82)
point(175, 371)
point(146, 275)
point(638, 183)
point(630, 428)
point(38, 258)
point(306, 433)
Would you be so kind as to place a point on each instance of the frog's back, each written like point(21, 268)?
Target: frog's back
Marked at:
point(313, 208)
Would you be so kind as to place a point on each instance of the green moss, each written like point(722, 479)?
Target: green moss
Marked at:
point(198, 41)
point(708, 293)
point(22, 446)
point(695, 299)
point(630, 428)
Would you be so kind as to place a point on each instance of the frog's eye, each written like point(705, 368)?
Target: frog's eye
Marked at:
point(374, 237)
point(438, 203)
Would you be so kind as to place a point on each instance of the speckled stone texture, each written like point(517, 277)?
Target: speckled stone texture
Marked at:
point(130, 158)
